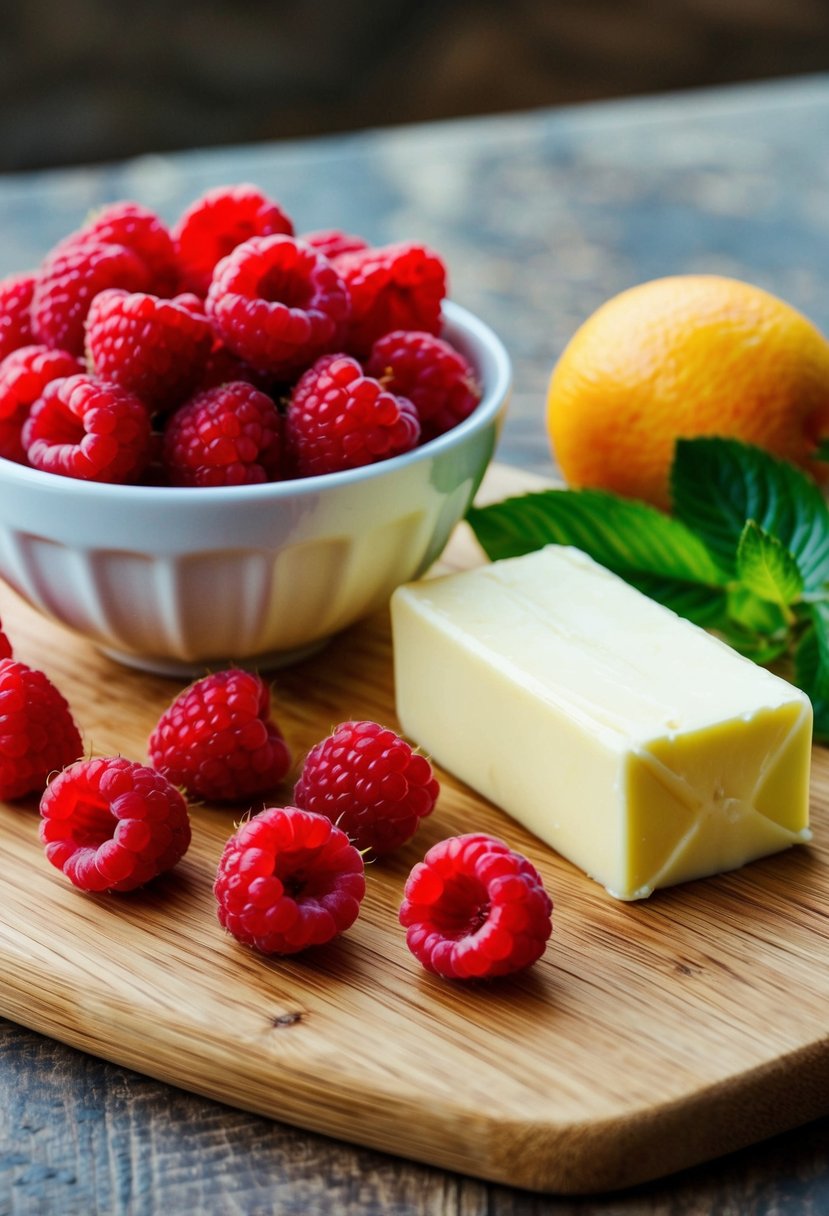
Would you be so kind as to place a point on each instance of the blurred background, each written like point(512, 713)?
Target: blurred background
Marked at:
point(89, 80)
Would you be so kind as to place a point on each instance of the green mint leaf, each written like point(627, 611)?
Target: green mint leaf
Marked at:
point(629, 538)
point(719, 484)
point(821, 452)
point(754, 646)
point(699, 602)
point(754, 626)
point(811, 656)
point(747, 610)
point(766, 567)
point(820, 729)
point(811, 666)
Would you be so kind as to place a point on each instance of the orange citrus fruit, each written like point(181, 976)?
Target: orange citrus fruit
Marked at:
point(678, 357)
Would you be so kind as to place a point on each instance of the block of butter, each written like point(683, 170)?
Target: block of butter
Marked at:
point(630, 740)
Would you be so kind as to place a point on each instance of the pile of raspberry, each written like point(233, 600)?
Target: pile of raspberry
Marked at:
point(293, 874)
point(224, 350)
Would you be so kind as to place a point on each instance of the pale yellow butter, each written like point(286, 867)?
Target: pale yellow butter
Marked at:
point(628, 739)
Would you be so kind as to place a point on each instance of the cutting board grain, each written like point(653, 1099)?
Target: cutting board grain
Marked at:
point(651, 1035)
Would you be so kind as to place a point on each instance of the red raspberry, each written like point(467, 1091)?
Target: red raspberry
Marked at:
point(338, 418)
point(278, 304)
point(332, 242)
point(218, 741)
point(288, 879)
point(397, 286)
point(139, 229)
point(71, 278)
point(369, 782)
point(429, 372)
point(90, 429)
point(194, 304)
point(24, 375)
point(37, 731)
point(219, 221)
point(112, 825)
point(222, 366)
point(474, 909)
point(16, 293)
point(155, 348)
point(5, 646)
point(225, 436)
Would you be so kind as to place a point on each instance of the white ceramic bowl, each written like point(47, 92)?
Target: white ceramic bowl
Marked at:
point(174, 580)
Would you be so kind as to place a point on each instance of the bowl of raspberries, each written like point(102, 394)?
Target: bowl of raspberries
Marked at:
point(223, 439)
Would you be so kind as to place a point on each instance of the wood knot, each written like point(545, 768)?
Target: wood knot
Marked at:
point(286, 1019)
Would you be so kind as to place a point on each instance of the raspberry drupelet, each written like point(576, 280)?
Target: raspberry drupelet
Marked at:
point(222, 366)
point(278, 304)
point(288, 879)
point(474, 909)
point(337, 418)
point(332, 242)
point(218, 740)
point(112, 825)
point(37, 731)
point(371, 783)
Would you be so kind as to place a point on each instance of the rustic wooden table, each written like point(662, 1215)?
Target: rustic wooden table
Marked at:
point(541, 217)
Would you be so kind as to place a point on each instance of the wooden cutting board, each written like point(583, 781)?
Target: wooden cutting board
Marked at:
point(651, 1035)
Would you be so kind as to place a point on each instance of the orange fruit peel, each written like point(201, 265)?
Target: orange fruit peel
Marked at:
point(679, 357)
